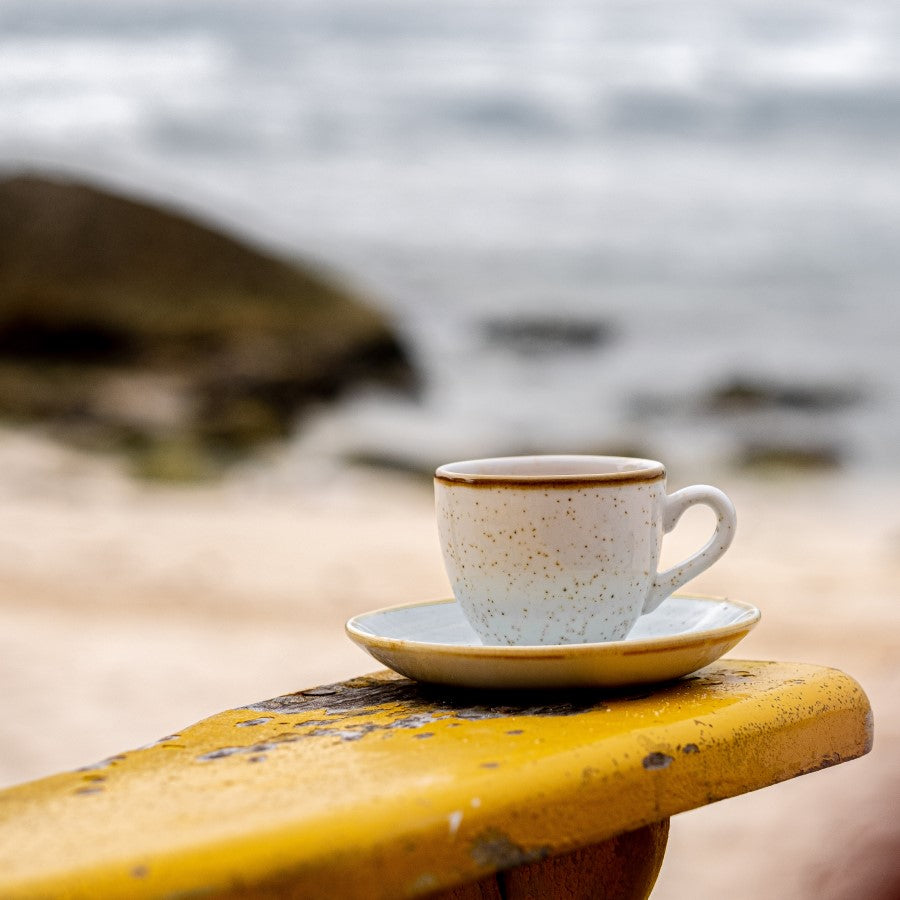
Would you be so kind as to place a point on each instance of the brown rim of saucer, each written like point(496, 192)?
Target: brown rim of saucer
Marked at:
point(649, 471)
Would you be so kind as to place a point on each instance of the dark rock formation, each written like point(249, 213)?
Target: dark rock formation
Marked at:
point(129, 326)
point(742, 394)
point(772, 457)
point(547, 334)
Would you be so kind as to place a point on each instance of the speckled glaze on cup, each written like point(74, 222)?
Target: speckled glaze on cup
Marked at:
point(564, 549)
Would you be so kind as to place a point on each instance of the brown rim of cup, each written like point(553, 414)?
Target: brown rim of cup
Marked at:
point(640, 471)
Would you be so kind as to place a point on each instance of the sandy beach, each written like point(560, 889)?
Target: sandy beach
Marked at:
point(128, 611)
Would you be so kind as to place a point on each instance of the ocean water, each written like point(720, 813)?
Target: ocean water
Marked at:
point(698, 192)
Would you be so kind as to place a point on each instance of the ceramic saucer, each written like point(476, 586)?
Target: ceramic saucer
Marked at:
point(434, 642)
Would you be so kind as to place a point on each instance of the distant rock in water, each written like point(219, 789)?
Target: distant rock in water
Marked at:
point(748, 394)
point(123, 325)
point(787, 457)
point(527, 335)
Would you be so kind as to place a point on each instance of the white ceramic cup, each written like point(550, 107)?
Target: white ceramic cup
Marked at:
point(564, 549)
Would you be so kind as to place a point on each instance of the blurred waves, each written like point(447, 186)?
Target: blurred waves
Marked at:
point(615, 226)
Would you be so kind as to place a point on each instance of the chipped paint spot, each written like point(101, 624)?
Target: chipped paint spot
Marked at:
point(455, 820)
point(253, 749)
point(494, 850)
point(870, 731)
point(103, 764)
point(690, 748)
point(424, 883)
point(826, 762)
point(163, 740)
point(221, 753)
point(251, 723)
point(418, 720)
point(344, 734)
point(831, 759)
point(657, 760)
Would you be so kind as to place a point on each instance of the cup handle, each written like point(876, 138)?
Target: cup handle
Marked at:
point(666, 583)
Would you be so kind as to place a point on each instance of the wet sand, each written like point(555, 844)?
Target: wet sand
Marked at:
point(127, 612)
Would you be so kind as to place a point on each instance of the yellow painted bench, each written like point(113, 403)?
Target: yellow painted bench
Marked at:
point(381, 787)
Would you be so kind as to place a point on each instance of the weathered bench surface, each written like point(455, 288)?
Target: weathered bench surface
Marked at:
point(381, 787)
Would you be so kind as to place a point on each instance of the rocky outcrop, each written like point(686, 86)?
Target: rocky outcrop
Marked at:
point(741, 394)
point(530, 335)
point(129, 326)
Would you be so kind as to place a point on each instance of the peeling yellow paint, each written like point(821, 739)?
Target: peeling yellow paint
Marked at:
point(383, 787)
